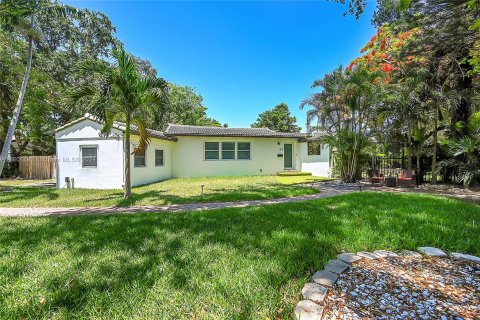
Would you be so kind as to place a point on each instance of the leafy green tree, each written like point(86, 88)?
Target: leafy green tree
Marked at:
point(183, 106)
point(11, 68)
point(345, 109)
point(464, 153)
point(21, 15)
point(446, 43)
point(277, 119)
point(64, 42)
point(123, 94)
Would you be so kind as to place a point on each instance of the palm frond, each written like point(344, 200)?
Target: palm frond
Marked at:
point(144, 140)
point(108, 122)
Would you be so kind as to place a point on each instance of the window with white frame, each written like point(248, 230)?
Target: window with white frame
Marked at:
point(139, 158)
point(243, 151)
point(89, 157)
point(158, 158)
point(212, 150)
point(228, 150)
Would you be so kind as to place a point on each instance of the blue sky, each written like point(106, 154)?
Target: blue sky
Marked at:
point(242, 57)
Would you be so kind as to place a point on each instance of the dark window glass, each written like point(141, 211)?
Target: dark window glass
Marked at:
point(228, 150)
point(212, 151)
point(211, 146)
point(158, 157)
point(89, 157)
point(139, 159)
point(313, 148)
point(243, 151)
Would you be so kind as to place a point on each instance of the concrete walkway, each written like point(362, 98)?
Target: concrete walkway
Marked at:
point(326, 190)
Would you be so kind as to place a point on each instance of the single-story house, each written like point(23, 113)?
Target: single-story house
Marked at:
point(96, 161)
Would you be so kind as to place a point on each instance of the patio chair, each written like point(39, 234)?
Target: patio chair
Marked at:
point(406, 179)
point(375, 177)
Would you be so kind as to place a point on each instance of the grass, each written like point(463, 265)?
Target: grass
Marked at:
point(301, 179)
point(293, 173)
point(243, 263)
point(219, 189)
point(21, 182)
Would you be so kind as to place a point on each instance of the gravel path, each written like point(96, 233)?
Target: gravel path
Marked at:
point(326, 190)
point(385, 285)
point(406, 288)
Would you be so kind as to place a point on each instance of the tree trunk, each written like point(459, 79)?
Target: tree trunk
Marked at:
point(434, 155)
point(18, 106)
point(409, 138)
point(128, 182)
point(418, 171)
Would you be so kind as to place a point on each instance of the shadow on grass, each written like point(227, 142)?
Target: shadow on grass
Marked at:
point(44, 197)
point(245, 263)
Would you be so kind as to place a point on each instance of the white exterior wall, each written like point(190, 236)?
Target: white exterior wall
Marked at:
point(151, 173)
point(188, 157)
point(109, 171)
point(318, 165)
point(184, 158)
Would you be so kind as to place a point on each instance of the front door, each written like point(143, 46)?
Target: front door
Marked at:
point(288, 156)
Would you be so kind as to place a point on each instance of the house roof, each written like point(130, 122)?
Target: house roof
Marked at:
point(185, 130)
point(174, 130)
point(119, 126)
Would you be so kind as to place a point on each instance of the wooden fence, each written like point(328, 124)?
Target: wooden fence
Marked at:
point(37, 167)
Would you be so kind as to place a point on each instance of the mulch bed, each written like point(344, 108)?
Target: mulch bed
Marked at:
point(406, 288)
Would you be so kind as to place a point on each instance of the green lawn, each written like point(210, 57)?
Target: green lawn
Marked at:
point(286, 179)
point(167, 192)
point(248, 263)
point(21, 182)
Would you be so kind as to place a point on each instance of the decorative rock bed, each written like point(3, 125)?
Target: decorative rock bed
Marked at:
point(388, 285)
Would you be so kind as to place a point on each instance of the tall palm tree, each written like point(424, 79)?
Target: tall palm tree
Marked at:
point(441, 103)
point(344, 109)
point(20, 15)
point(122, 94)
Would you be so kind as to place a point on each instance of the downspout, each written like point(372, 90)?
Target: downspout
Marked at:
point(123, 162)
point(57, 165)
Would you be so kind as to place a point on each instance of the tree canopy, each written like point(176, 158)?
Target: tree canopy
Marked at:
point(65, 42)
point(417, 91)
point(277, 119)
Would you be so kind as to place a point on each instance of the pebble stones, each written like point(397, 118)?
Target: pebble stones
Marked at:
point(357, 286)
point(314, 292)
point(432, 252)
point(308, 310)
point(325, 278)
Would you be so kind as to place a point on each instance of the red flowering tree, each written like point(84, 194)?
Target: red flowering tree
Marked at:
point(383, 52)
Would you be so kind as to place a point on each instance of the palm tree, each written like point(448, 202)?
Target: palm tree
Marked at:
point(122, 94)
point(404, 105)
point(344, 109)
point(464, 152)
point(441, 103)
point(20, 15)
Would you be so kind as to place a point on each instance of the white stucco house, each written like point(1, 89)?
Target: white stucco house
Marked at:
point(96, 161)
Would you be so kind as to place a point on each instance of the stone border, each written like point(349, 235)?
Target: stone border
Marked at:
point(314, 293)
